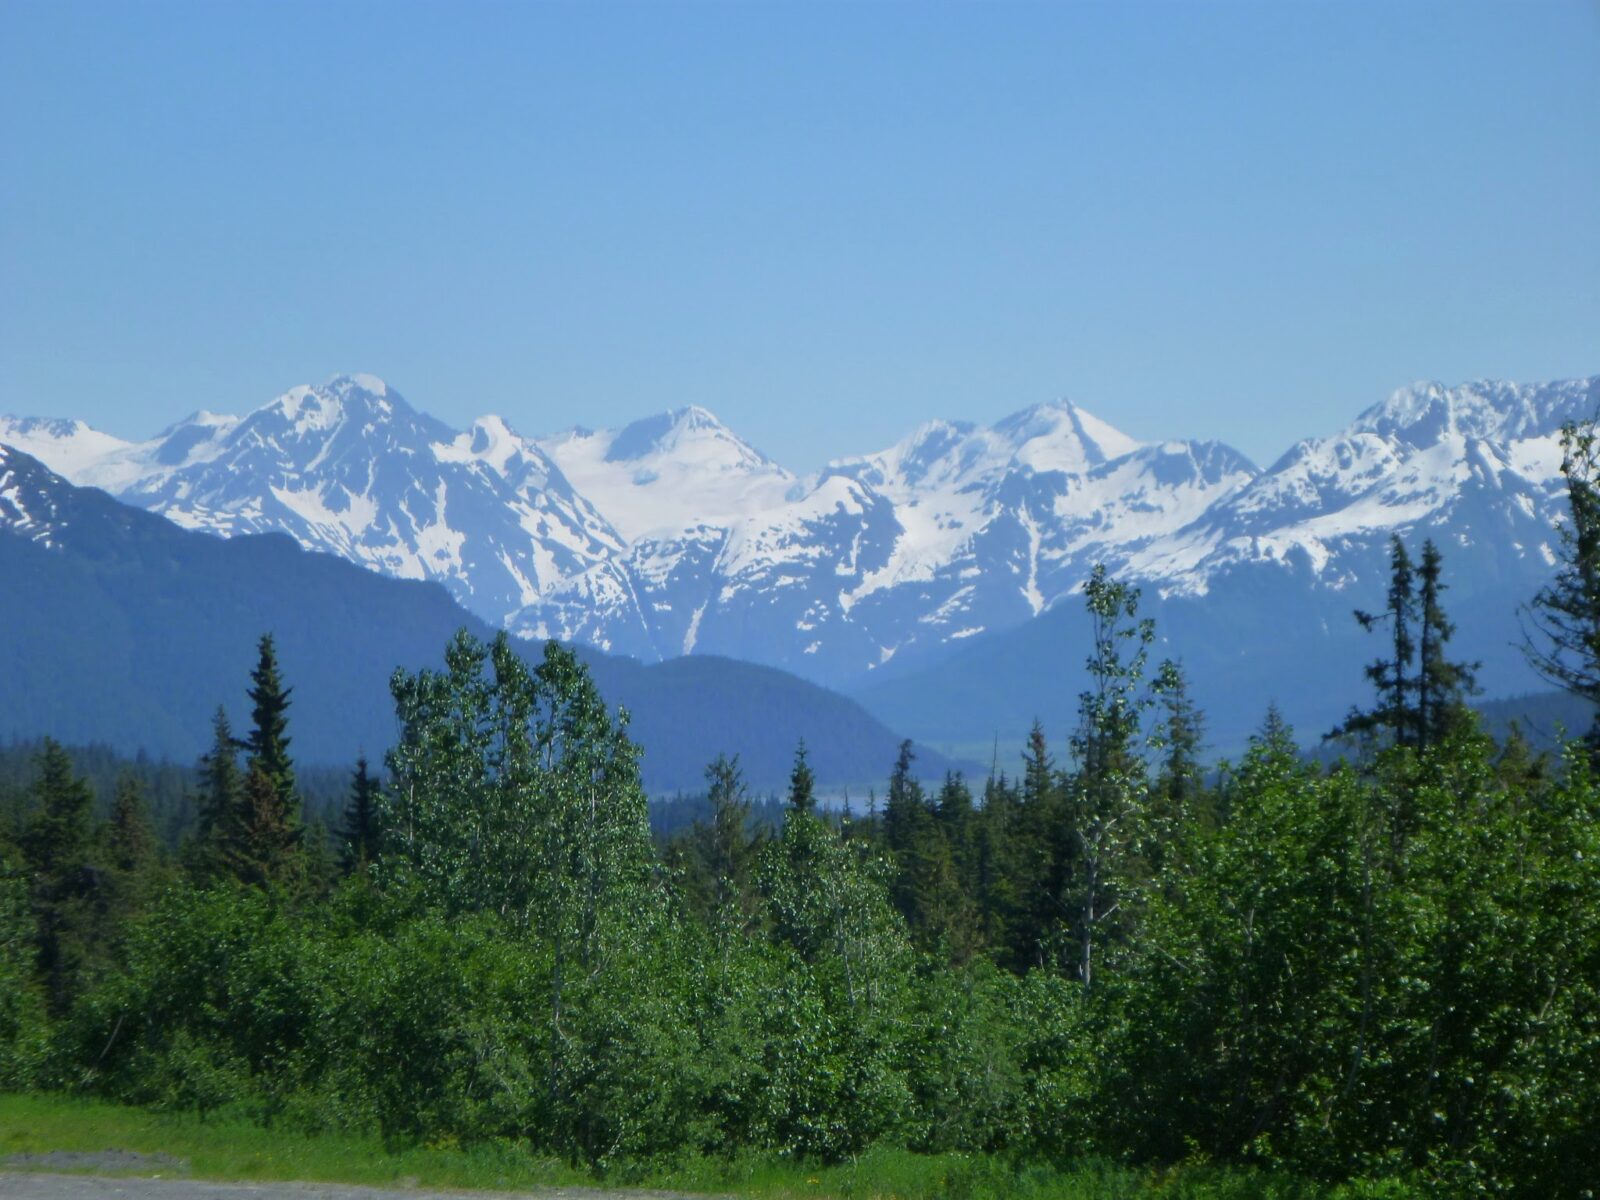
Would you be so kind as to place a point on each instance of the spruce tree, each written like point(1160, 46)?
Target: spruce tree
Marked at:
point(802, 783)
point(1393, 678)
point(1039, 851)
point(998, 875)
point(130, 842)
point(129, 863)
point(953, 807)
point(220, 789)
point(358, 836)
point(1442, 685)
point(264, 851)
point(1182, 731)
point(1038, 768)
point(268, 743)
point(1175, 801)
point(268, 835)
point(58, 844)
point(727, 850)
point(905, 808)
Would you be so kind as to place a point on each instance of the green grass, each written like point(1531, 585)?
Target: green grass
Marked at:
point(233, 1148)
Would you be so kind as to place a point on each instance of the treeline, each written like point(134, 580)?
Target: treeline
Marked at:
point(170, 790)
point(1389, 967)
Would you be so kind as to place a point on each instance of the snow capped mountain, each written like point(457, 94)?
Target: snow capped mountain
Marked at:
point(672, 535)
point(1475, 467)
point(351, 469)
point(670, 472)
point(952, 531)
point(996, 524)
point(27, 505)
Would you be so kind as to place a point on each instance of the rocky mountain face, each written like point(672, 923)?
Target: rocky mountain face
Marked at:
point(673, 536)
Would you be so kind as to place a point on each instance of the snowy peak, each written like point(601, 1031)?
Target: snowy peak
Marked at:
point(1062, 437)
point(670, 472)
point(1430, 457)
point(75, 450)
point(1426, 413)
point(677, 431)
point(951, 456)
point(350, 414)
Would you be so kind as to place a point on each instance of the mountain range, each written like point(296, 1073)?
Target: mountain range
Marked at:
point(884, 573)
point(119, 627)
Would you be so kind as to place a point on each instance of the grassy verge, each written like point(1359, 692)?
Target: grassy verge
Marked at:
point(232, 1148)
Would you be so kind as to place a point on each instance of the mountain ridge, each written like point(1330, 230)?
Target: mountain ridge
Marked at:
point(673, 535)
point(117, 625)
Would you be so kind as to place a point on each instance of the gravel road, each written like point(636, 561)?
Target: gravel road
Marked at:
point(38, 1185)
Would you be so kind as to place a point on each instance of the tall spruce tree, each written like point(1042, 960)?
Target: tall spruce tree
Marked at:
point(220, 790)
point(998, 875)
point(1421, 694)
point(268, 742)
point(905, 809)
point(1175, 801)
point(264, 850)
point(726, 849)
point(1182, 734)
point(268, 837)
point(1393, 678)
point(1442, 685)
point(58, 847)
point(802, 783)
point(1038, 851)
point(358, 835)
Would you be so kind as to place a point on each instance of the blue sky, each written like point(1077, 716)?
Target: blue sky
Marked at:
point(824, 222)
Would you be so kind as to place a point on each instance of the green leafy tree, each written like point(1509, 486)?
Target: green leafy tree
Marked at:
point(1243, 981)
point(515, 793)
point(1109, 793)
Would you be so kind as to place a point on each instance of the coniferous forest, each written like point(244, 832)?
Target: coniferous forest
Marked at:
point(1388, 967)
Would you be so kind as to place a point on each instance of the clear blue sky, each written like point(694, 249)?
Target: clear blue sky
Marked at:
point(824, 222)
